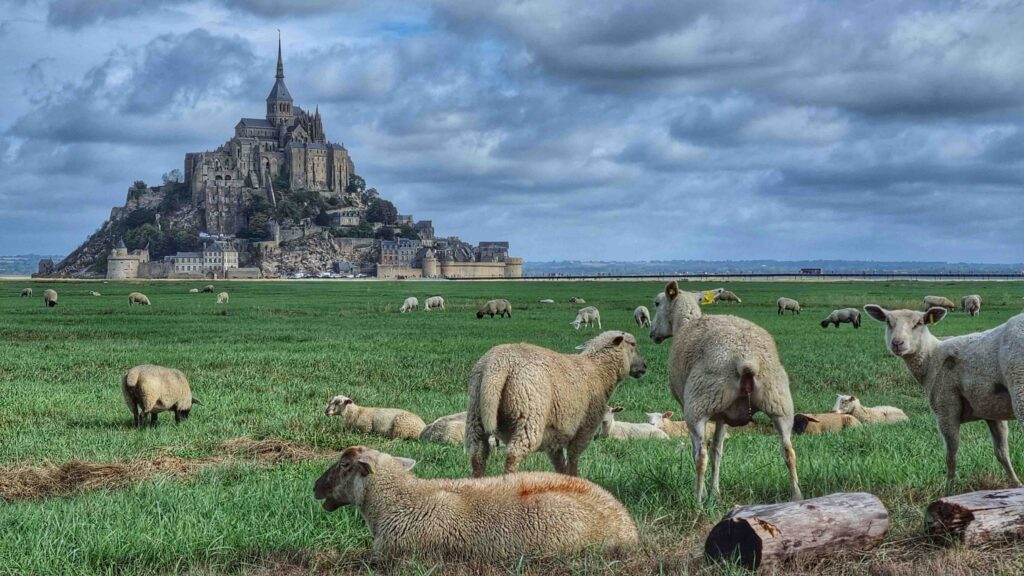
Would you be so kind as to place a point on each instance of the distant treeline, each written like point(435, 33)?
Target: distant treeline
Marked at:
point(23, 264)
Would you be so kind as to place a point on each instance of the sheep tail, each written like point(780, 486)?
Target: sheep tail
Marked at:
point(747, 371)
point(128, 384)
point(492, 384)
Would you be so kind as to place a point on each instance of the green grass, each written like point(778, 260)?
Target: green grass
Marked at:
point(267, 368)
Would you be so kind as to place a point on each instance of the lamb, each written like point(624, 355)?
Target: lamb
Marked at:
point(411, 303)
point(727, 296)
point(610, 428)
point(788, 304)
point(26, 292)
point(842, 316)
point(976, 376)
point(449, 429)
point(488, 519)
point(149, 389)
point(586, 317)
point(208, 288)
point(722, 368)
point(546, 301)
point(499, 307)
point(194, 291)
point(533, 398)
point(94, 293)
point(971, 304)
point(674, 428)
point(49, 298)
point(867, 415)
point(223, 298)
point(138, 298)
point(939, 301)
point(577, 300)
point(642, 316)
point(387, 422)
point(819, 423)
point(433, 302)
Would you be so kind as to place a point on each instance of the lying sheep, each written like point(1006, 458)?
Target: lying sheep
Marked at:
point(433, 302)
point(676, 428)
point(208, 288)
point(615, 430)
point(873, 415)
point(723, 369)
point(26, 292)
point(842, 316)
point(820, 423)
point(49, 298)
point(535, 399)
point(411, 303)
point(642, 316)
point(138, 298)
point(546, 301)
point(971, 304)
point(490, 519)
point(788, 304)
point(223, 298)
point(94, 293)
point(586, 317)
point(499, 307)
point(449, 429)
point(976, 376)
point(194, 291)
point(387, 422)
point(938, 301)
point(577, 300)
point(727, 296)
point(149, 390)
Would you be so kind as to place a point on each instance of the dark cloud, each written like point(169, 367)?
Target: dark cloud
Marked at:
point(76, 14)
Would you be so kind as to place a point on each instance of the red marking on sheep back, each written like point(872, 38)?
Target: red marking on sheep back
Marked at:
point(565, 486)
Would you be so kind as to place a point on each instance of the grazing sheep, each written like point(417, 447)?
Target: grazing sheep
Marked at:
point(411, 303)
point(94, 293)
point(676, 428)
point(727, 296)
point(49, 298)
point(433, 302)
point(194, 291)
point(611, 428)
point(500, 307)
point(223, 298)
point(138, 298)
point(533, 398)
point(642, 316)
point(976, 376)
point(788, 304)
point(577, 300)
point(938, 301)
point(586, 317)
point(149, 390)
point(487, 519)
point(546, 301)
point(867, 415)
point(842, 316)
point(971, 304)
point(387, 422)
point(26, 292)
point(725, 369)
point(208, 288)
point(819, 423)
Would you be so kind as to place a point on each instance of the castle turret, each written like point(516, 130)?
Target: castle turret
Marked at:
point(430, 269)
point(514, 267)
point(279, 102)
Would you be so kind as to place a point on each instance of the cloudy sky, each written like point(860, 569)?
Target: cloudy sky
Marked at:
point(576, 130)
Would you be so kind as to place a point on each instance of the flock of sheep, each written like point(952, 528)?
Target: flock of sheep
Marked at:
point(50, 296)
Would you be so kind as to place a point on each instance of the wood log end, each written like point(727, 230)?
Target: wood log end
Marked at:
point(734, 540)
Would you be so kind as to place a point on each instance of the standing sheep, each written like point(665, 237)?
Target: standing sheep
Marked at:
point(387, 422)
point(842, 316)
point(208, 288)
point(867, 415)
point(725, 369)
point(611, 428)
point(487, 519)
point(411, 303)
point(586, 317)
point(223, 298)
point(433, 302)
point(727, 296)
point(499, 307)
point(138, 298)
point(49, 298)
point(26, 292)
point(820, 423)
point(788, 304)
point(940, 302)
point(533, 398)
point(971, 304)
point(976, 376)
point(642, 316)
point(149, 390)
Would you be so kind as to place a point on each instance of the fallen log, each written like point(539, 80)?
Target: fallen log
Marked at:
point(977, 517)
point(770, 534)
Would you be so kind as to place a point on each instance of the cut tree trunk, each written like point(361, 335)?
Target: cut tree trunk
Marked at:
point(770, 534)
point(978, 517)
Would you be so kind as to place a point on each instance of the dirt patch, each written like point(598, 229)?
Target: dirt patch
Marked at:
point(55, 480)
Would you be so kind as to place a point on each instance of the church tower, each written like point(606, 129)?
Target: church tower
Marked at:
point(279, 102)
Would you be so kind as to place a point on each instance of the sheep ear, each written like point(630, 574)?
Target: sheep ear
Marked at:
point(196, 400)
point(810, 418)
point(852, 398)
point(672, 290)
point(667, 414)
point(618, 340)
point(934, 315)
point(347, 401)
point(407, 463)
point(616, 409)
point(367, 463)
point(877, 312)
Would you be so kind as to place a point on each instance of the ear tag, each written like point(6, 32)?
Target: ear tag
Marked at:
point(709, 297)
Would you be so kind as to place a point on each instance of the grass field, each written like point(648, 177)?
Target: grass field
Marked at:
point(266, 369)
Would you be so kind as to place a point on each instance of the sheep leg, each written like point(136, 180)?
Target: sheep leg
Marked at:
point(1000, 429)
point(478, 446)
point(784, 425)
point(574, 450)
point(950, 430)
point(717, 445)
point(152, 419)
point(517, 448)
point(557, 457)
point(700, 457)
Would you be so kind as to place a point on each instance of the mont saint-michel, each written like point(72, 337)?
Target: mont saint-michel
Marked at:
point(279, 197)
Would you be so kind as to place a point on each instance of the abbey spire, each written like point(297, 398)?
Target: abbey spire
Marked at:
point(279, 102)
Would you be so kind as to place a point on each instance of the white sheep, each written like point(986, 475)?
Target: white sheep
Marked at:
point(433, 302)
point(586, 317)
point(848, 404)
point(938, 301)
point(138, 298)
point(500, 307)
point(449, 429)
point(94, 293)
point(842, 316)
point(615, 430)
point(821, 423)
point(577, 300)
point(546, 301)
point(727, 296)
point(49, 298)
point(26, 292)
point(722, 368)
point(208, 288)
point(533, 398)
point(223, 298)
point(676, 428)
point(387, 422)
point(411, 303)
point(976, 376)
point(194, 291)
point(788, 304)
point(642, 316)
point(971, 304)
point(486, 519)
point(149, 389)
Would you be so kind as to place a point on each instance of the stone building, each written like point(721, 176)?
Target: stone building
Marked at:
point(448, 258)
point(123, 265)
point(214, 260)
point(345, 217)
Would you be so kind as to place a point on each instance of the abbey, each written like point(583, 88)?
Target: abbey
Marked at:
point(289, 146)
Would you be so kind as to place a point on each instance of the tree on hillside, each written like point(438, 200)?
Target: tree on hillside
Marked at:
point(356, 185)
point(382, 211)
point(173, 177)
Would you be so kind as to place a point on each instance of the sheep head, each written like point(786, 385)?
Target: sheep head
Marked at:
point(673, 306)
point(845, 404)
point(623, 342)
point(337, 405)
point(906, 330)
point(345, 481)
point(657, 419)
